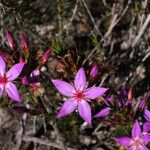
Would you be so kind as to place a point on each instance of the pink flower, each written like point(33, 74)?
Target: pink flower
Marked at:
point(78, 96)
point(6, 79)
point(137, 142)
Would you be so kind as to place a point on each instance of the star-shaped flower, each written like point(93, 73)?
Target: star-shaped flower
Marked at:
point(7, 77)
point(78, 96)
point(138, 140)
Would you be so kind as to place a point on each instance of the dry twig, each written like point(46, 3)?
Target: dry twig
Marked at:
point(92, 19)
point(42, 141)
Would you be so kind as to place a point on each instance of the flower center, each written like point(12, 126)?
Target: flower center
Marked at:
point(136, 143)
point(79, 95)
point(3, 80)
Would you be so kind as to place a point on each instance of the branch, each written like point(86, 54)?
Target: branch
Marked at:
point(41, 141)
point(142, 30)
point(92, 19)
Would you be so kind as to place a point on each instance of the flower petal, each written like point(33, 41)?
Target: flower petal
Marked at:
point(64, 88)
point(124, 141)
point(1, 90)
point(85, 111)
point(104, 112)
point(146, 127)
point(136, 130)
point(2, 66)
point(80, 80)
point(12, 91)
point(147, 114)
point(95, 92)
point(144, 148)
point(15, 71)
point(68, 107)
point(146, 138)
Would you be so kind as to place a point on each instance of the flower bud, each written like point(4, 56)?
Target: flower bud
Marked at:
point(46, 56)
point(6, 56)
point(24, 44)
point(94, 71)
point(9, 39)
point(130, 98)
point(25, 80)
point(143, 103)
point(21, 59)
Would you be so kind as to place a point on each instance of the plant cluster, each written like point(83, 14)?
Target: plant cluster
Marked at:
point(121, 110)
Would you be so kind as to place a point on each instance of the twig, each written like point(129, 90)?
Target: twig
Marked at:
point(74, 11)
point(89, 56)
point(41, 141)
point(92, 19)
point(147, 55)
point(115, 21)
point(59, 137)
point(143, 14)
point(103, 79)
point(142, 30)
point(59, 17)
point(112, 25)
point(20, 132)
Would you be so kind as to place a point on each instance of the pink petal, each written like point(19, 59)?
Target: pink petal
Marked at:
point(146, 138)
point(64, 88)
point(104, 112)
point(34, 73)
point(1, 89)
point(12, 91)
point(124, 141)
point(146, 127)
point(95, 92)
point(132, 147)
point(136, 130)
point(2, 66)
point(85, 111)
point(80, 80)
point(68, 107)
point(144, 148)
point(15, 71)
point(147, 114)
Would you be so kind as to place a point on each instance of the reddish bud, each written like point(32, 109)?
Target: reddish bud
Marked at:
point(9, 39)
point(21, 59)
point(130, 94)
point(46, 56)
point(6, 56)
point(143, 103)
point(24, 80)
point(94, 71)
point(24, 43)
point(130, 97)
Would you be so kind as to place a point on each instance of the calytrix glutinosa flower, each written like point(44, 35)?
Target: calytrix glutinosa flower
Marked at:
point(138, 141)
point(78, 96)
point(7, 78)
